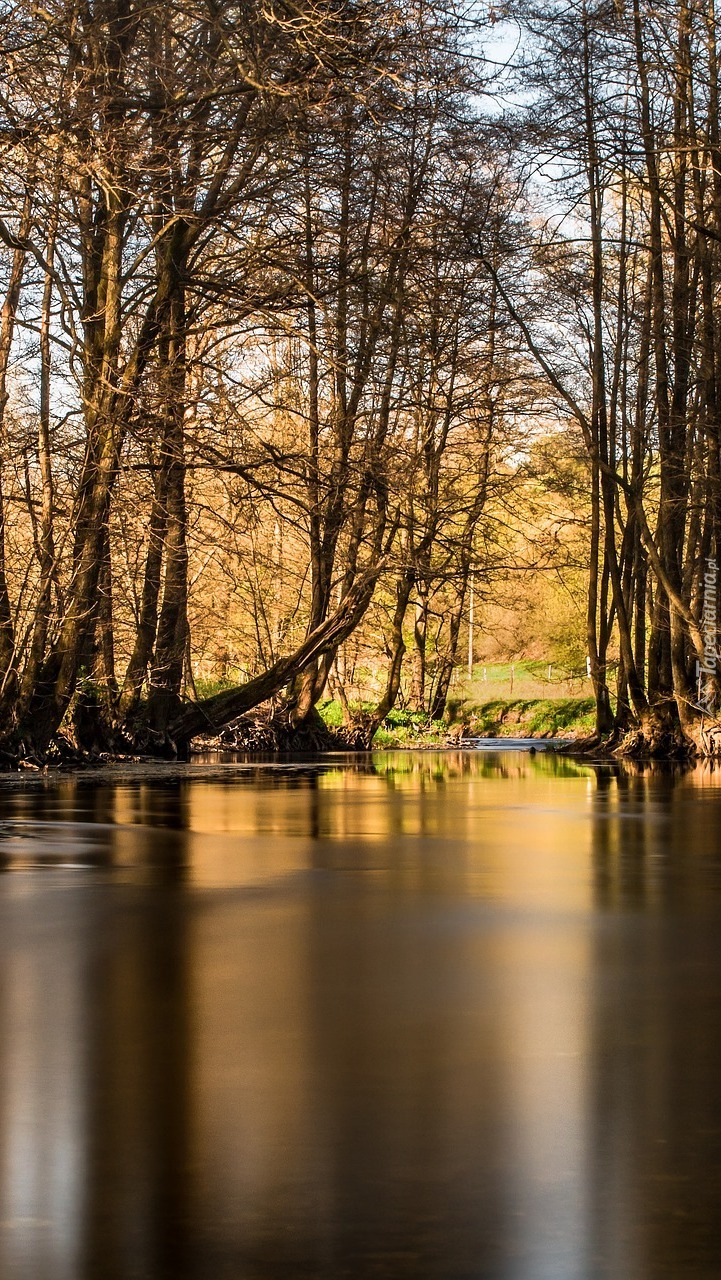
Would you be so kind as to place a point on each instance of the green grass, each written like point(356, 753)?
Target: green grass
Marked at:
point(207, 687)
point(332, 713)
point(525, 717)
point(410, 729)
point(496, 718)
point(401, 729)
point(524, 679)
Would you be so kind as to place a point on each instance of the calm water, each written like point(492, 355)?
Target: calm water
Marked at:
point(425, 1016)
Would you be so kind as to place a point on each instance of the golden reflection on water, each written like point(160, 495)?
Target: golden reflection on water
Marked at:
point(419, 1016)
point(507, 827)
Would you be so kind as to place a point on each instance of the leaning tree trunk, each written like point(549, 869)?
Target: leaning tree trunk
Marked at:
point(209, 715)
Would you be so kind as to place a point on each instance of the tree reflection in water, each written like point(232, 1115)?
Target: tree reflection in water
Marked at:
point(424, 1015)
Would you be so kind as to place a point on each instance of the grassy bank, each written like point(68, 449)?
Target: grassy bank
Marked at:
point(525, 717)
point(496, 718)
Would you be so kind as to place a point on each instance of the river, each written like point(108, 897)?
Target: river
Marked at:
point(429, 1016)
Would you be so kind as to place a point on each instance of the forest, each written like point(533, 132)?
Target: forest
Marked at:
point(329, 326)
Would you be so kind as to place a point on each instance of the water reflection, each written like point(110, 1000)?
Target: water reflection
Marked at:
point(420, 1016)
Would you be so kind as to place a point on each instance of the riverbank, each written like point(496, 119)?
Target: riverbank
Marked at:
point(568, 718)
point(565, 724)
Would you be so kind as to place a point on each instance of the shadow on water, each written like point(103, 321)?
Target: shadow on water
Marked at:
point(418, 1015)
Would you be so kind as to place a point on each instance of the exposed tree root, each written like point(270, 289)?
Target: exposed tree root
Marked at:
point(90, 738)
point(660, 736)
point(271, 732)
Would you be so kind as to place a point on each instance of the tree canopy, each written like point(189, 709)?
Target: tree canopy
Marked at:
point(313, 316)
